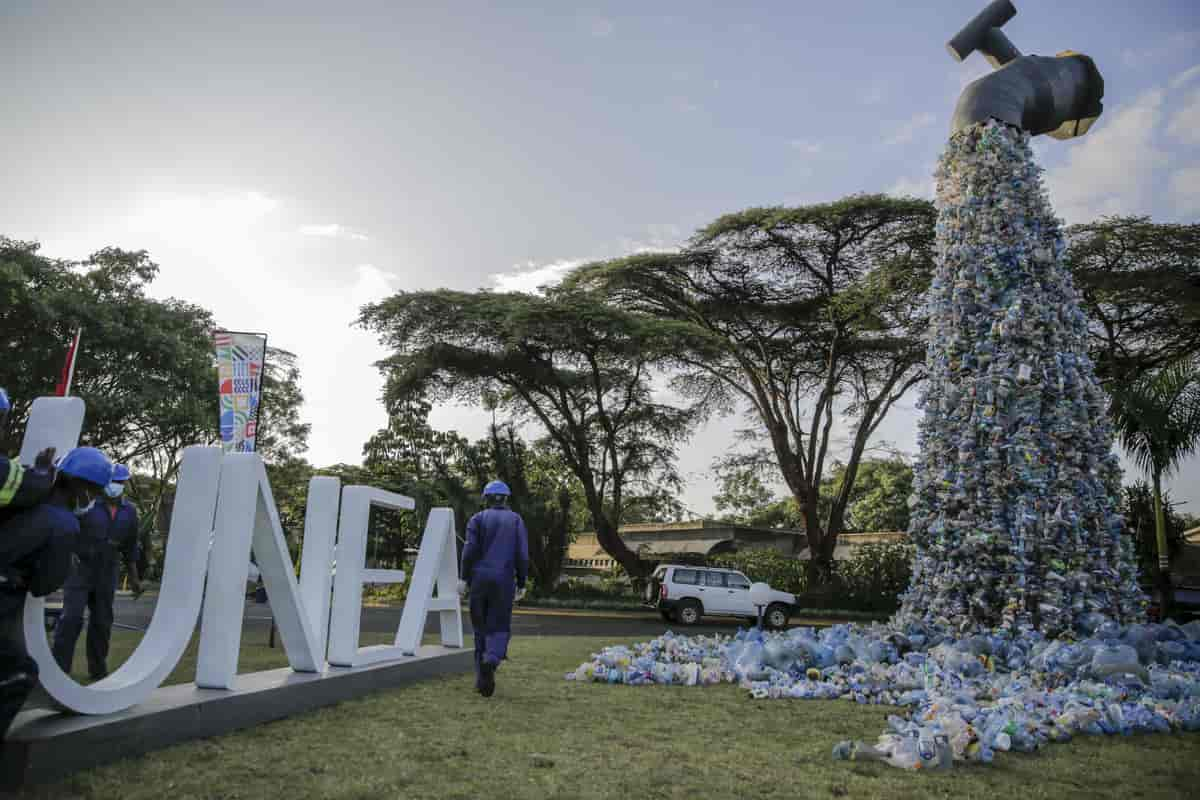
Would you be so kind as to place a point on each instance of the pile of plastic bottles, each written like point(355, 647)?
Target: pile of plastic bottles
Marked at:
point(668, 660)
point(1014, 506)
point(966, 697)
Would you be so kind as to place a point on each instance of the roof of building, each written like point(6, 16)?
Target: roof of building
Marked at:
point(697, 527)
point(701, 536)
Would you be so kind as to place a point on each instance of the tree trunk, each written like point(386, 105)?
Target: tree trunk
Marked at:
point(1166, 593)
point(608, 538)
point(819, 567)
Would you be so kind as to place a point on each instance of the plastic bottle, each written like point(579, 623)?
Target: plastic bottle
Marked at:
point(906, 753)
point(1117, 659)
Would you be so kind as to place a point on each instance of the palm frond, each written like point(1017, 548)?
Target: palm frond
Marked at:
point(1158, 417)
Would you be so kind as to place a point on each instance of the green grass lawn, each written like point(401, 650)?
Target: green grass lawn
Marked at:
point(541, 736)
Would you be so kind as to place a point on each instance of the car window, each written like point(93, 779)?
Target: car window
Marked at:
point(734, 581)
point(660, 572)
point(687, 576)
point(714, 579)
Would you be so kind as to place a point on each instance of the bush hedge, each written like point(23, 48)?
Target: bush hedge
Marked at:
point(871, 579)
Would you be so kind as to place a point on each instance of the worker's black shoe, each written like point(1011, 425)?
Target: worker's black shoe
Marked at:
point(487, 679)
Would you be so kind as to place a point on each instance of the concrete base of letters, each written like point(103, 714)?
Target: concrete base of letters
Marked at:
point(43, 746)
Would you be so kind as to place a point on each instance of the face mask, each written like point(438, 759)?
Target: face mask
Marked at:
point(114, 490)
point(83, 510)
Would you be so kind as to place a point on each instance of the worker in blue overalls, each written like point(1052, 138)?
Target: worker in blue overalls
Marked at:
point(22, 487)
point(495, 564)
point(35, 557)
point(107, 531)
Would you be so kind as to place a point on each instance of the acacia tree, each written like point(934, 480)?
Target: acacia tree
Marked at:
point(801, 314)
point(1140, 287)
point(575, 366)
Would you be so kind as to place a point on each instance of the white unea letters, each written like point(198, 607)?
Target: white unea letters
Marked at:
point(224, 510)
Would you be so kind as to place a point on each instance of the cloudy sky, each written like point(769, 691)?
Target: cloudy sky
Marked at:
point(287, 163)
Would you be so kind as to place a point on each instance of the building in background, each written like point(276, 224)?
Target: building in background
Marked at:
point(586, 559)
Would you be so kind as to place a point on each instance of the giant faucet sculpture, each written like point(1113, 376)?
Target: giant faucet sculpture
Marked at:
point(1024, 600)
point(1058, 95)
point(1014, 512)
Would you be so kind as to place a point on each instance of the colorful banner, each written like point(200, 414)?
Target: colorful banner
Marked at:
point(240, 360)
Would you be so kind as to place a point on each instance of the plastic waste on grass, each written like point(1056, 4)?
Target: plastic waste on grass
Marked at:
point(962, 699)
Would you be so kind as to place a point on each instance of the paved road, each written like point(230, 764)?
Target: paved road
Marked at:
point(531, 622)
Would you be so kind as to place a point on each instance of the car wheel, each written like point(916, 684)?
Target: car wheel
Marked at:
point(776, 616)
point(689, 612)
point(666, 615)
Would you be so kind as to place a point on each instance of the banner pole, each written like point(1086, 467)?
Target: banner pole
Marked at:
point(74, 355)
point(68, 372)
point(262, 385)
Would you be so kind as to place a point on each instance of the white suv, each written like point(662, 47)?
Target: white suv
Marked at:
point(684, 594)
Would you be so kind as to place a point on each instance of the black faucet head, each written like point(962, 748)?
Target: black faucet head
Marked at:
point(983, 34)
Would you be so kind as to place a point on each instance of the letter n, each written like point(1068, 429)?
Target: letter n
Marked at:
point(246, 518)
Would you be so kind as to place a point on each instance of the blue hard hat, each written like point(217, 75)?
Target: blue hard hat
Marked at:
point(496, 488)
point(88, 464)
point(120, 473)
point(4, 404)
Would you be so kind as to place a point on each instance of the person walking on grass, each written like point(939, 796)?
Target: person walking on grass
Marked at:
point(495, 565)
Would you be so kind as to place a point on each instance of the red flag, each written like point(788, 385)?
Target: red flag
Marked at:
point(68, 371)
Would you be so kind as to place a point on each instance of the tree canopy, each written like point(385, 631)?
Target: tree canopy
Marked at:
point(800, 314)
point(1140, 286)
point(144, 367)
point(576, 366)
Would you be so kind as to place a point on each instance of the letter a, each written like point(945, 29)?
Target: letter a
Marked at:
point(436, 564)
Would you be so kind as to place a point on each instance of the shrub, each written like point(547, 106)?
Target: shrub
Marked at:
point(782, 572)
point(386, 593)
point(390, 593)
point(577, 589)
point(871, 579)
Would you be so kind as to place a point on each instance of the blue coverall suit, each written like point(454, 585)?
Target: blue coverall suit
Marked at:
point(495, 557)
point(35, 554)
point(104, 532)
